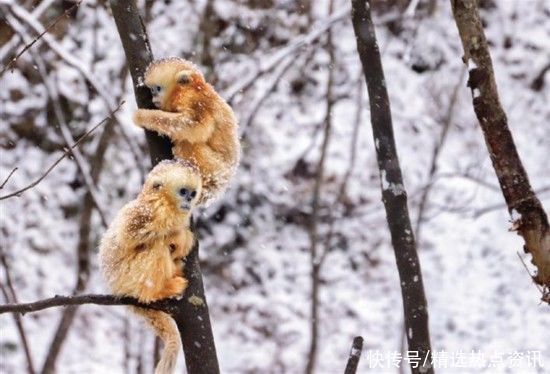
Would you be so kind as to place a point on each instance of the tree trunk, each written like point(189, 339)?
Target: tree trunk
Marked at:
point(394, 195)
point(532, 223)
point(191, 313)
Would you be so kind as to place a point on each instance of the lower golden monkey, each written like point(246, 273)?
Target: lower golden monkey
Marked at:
point(141, 251)
point(200, 124)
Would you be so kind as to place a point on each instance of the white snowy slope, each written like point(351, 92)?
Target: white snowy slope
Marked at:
point(254, 241)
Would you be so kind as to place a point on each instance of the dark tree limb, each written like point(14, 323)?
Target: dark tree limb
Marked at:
point(354, 355)
point(167, 305)
point(532, 223)
point(191, 312)
point(394, 195)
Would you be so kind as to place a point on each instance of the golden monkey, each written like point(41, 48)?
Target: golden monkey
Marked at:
point(200, 124)
point(141, 251)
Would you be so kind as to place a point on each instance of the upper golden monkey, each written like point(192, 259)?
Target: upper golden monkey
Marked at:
point(201, 125)
point(141, 251)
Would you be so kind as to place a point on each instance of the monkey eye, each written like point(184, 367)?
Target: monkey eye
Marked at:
point(156, 185)
point(193, 194)
point(156, 89)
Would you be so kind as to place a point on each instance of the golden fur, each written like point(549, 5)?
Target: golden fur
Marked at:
point(201, 125)
point(142, 250)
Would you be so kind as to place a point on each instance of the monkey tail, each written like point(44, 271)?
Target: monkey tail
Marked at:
point(166, 329)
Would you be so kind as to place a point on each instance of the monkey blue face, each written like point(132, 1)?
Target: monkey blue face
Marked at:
point(175, 183)
point(158, 94)
point(187, 196)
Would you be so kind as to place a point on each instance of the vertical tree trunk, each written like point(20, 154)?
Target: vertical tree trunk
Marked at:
point(394, 195)
point(191, 314)
point(532, 223)
point(354, 355)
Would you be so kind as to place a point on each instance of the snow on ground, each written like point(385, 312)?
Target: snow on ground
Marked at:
point(253, 243)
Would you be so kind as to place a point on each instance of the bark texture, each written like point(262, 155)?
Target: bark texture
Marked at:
point(532, 223)
point(191, 312)
point(394, 195)
point(354, 355)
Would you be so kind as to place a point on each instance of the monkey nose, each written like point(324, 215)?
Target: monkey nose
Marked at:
point(187, 194)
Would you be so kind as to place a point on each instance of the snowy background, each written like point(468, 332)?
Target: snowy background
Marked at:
point(254, 241)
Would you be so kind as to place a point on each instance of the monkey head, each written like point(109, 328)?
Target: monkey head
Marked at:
point(171, 80)
point(176, 182)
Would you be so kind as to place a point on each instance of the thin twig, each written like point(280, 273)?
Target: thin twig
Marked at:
point(17, 318)
point(315, 205)
point(48, 28)
point(8, 178)
point(343, 186)
point(490, 208)
point(286, 51)
point(435, 156)
point(53, 93)
point(11, 44)
point(109, 102)
point(259, 100)
point(83, 251)
point(65, 154)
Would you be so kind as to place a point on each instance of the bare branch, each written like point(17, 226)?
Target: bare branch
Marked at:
point(29, 45)
point(259, 100)
point(83, 250)
point(435, 157)
point(354, 355)
point(315, 258)
point(57, 301)
point(65, 154)
point(284, 52)
point(394, 195)
point(109, 102)
point(8, 177)
point(60, 116)
point(10, 46)
point(17, 318)
point(490, 208)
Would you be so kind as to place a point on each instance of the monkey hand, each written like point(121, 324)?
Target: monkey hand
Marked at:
point(141, 117)
point(174, 287)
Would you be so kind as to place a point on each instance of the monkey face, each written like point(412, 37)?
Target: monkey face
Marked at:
point(163, 76)
point(177, 182)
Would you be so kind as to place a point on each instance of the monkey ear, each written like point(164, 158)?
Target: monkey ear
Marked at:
point(157, 185)
point(183, 76)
